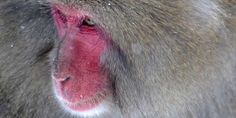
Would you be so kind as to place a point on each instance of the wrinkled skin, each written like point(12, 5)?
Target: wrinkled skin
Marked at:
point(168, 58)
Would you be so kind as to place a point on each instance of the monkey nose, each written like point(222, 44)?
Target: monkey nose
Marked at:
point(61, 78)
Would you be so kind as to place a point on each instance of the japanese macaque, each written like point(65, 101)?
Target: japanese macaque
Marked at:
point(118, 58)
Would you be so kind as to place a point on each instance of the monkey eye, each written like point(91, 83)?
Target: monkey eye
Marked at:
point(88, 21)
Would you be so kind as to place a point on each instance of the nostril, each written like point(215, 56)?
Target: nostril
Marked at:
point(62, 79)
point(67, 78)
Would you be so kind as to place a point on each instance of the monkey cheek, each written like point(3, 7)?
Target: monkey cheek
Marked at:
point(83, 101)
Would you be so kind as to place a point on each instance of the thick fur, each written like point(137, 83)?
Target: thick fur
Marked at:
point(175, 58)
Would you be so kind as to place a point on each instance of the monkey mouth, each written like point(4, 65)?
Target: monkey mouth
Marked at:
point(87, 104)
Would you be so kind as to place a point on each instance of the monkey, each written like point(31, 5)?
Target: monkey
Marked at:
point(118, 58)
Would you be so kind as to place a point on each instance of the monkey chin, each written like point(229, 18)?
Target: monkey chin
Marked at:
point(95, 110)
point(91, 107)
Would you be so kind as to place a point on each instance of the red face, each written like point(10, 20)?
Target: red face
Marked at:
point(79, 80)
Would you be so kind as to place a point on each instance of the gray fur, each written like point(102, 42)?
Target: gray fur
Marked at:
point(176, 58)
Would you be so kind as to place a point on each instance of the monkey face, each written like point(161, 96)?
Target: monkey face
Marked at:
point(79, 80)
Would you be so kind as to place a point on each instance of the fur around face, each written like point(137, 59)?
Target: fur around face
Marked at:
point(173, 58)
